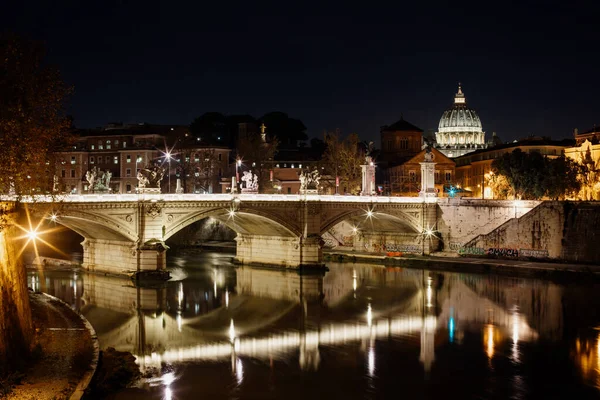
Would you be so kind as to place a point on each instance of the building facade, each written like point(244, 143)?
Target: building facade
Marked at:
point(474, 169)
point(460, 131)
point(405, 179)
point(587, 154)
point(123, 150)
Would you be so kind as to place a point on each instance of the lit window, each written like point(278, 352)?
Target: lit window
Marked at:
point(72, 159)
point(196, 158)
point(124, 144)
point(128, 158)
point(93, 147)
point(187, 159)
point(116, 159)
point(108, 146)
point(92, 160)
point(196, 174)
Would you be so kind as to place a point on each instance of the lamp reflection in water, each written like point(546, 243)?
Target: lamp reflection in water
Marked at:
point(488, 338)
point(167, 379)
point(371, 358)
point(237, 368)
point(516, 324)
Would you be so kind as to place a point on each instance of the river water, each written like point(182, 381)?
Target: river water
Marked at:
point(357, 331)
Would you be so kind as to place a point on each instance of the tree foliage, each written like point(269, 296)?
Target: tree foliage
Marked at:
point(589, 177)
point(288, 131)
point(198, 170)
point(343, 158)
point(533, 176)
point(32, 124)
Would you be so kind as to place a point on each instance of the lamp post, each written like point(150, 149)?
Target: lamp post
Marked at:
point(168, 157)
point(238, 164)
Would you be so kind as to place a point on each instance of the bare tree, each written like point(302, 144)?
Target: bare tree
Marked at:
point(343, 158)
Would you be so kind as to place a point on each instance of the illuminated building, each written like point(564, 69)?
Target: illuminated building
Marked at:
point(399, 142)
point(405, 179)
point(474, 168)
point(588, 154)
point(123, 149)
point(459, 131)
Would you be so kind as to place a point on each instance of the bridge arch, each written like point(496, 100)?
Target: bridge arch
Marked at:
point(94, 226)
point(383, 220)
point(245, 221)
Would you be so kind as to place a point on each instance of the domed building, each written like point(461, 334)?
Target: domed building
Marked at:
point(460, 131)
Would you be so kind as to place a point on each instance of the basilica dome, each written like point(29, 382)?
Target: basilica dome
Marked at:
point(460, 130)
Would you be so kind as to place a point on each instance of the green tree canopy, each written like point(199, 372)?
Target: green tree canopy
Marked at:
point(32, 123)
point(533, 176)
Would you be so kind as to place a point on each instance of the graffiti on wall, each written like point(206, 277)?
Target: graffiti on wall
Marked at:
point(533, 253)
point(393, 247)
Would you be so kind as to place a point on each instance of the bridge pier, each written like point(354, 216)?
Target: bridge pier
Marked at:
point(122, 257)
point(286, 252)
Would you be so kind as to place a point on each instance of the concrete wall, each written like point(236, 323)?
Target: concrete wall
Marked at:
point(120, 257)
point(285, 252)
point(16, 330)
point(460, 220)
point(567, 231)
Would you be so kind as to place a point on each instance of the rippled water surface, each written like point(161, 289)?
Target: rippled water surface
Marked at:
point(356, 331)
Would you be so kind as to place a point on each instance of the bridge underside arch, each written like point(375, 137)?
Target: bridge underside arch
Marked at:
point(241, 222)
point(91, 229)
point(377, 222)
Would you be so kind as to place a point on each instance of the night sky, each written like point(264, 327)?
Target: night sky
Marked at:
point(526, 68)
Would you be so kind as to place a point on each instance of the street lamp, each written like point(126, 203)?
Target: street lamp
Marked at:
point(168, 158)
point(238, 165)
point(486, 176)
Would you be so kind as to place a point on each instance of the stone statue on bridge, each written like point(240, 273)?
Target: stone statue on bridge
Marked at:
point(250, 181)
point(309, 181)
point(98, 180)
point(149, 179)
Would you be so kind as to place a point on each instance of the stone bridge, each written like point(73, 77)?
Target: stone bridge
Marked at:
point(127, 233)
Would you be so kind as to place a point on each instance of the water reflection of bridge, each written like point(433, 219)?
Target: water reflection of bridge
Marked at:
point(347, 304)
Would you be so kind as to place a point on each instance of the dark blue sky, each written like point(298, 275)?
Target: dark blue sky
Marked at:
point(526, 67)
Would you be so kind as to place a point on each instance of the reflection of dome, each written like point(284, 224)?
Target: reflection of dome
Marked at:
point(459, 131)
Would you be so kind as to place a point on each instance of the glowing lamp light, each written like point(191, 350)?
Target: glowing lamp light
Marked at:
point(53, 217)
point(32, 235)
point(369, 213)
point(231, 213)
